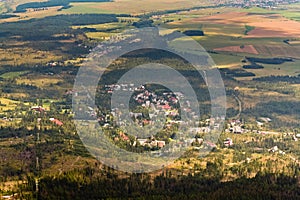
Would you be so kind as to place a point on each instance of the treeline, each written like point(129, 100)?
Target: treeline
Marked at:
point(236, 72)
point(6, 16)
point(274, 61)
point(165, 186)
point(143, 23)
point(59, 24)
point(51, 3)
point(193, 33)
point(287, 79)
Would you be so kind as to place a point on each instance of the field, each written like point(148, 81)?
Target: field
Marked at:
point(30, 14)
point(41, 81)
point(132, 7)
point(291, 69)
point(267, 25)
point(236, 33)
point(11, 75)
point(21, 55)
point(239, 49)
point(7, 104)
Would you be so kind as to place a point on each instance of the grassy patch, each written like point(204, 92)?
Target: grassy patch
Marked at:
point(248, 29)
point(98, 35)
point(288, 68)
point(103, 27)
point(40, 81)
point(11, 75)
point(7, 104)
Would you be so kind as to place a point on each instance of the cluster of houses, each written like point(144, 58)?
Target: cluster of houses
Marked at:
point(235, 126)
point(41, 109)
point(166, 103)
point(55, 64)
point(151, 142)
point(38, 109)
point(275, 149)
point(125, 87)
point(228, 142)
point(262, 121)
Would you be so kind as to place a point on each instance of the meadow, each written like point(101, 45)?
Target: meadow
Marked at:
point(133, 7)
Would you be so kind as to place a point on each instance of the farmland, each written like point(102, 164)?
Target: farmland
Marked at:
point(132, 7)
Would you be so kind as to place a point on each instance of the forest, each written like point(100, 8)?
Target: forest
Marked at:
point(82, 185)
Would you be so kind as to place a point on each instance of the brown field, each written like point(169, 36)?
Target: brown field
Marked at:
point(295, 42)
point(275, 28)
point(265, 50)
point(267, 25)
point(239, 49)
point(279, 50)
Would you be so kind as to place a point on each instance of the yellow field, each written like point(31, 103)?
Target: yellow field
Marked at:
point(20, 56)
point(7, 104)
point(113, 25)
point(98, 35)
point(40, 81)
point(132, 6)
point(33, 14)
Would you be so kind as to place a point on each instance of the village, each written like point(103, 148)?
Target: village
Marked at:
point(149, 105)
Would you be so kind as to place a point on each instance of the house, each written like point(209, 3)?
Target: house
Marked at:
point(228, 142)
point(265, 119)
point(161, 144)
point(210, 144)
point(259, 123)
point(152, 142)
point(273, 149)
point(56, 121)
point(142, 141)
point(295, 138)
point(237, 129)
point(166, 107)
point(123, 136)
point(38, 108)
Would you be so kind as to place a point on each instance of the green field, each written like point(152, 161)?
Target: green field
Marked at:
point(11, 75)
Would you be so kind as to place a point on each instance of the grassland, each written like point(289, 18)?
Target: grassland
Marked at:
point(132, 7)
point(291, 69)
point(12, 75)
point(25, 56)
point(7, 104)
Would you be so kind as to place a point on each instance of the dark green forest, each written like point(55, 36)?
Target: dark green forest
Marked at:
point(82, 185)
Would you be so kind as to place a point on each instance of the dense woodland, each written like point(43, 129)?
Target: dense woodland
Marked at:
point(82, 185)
